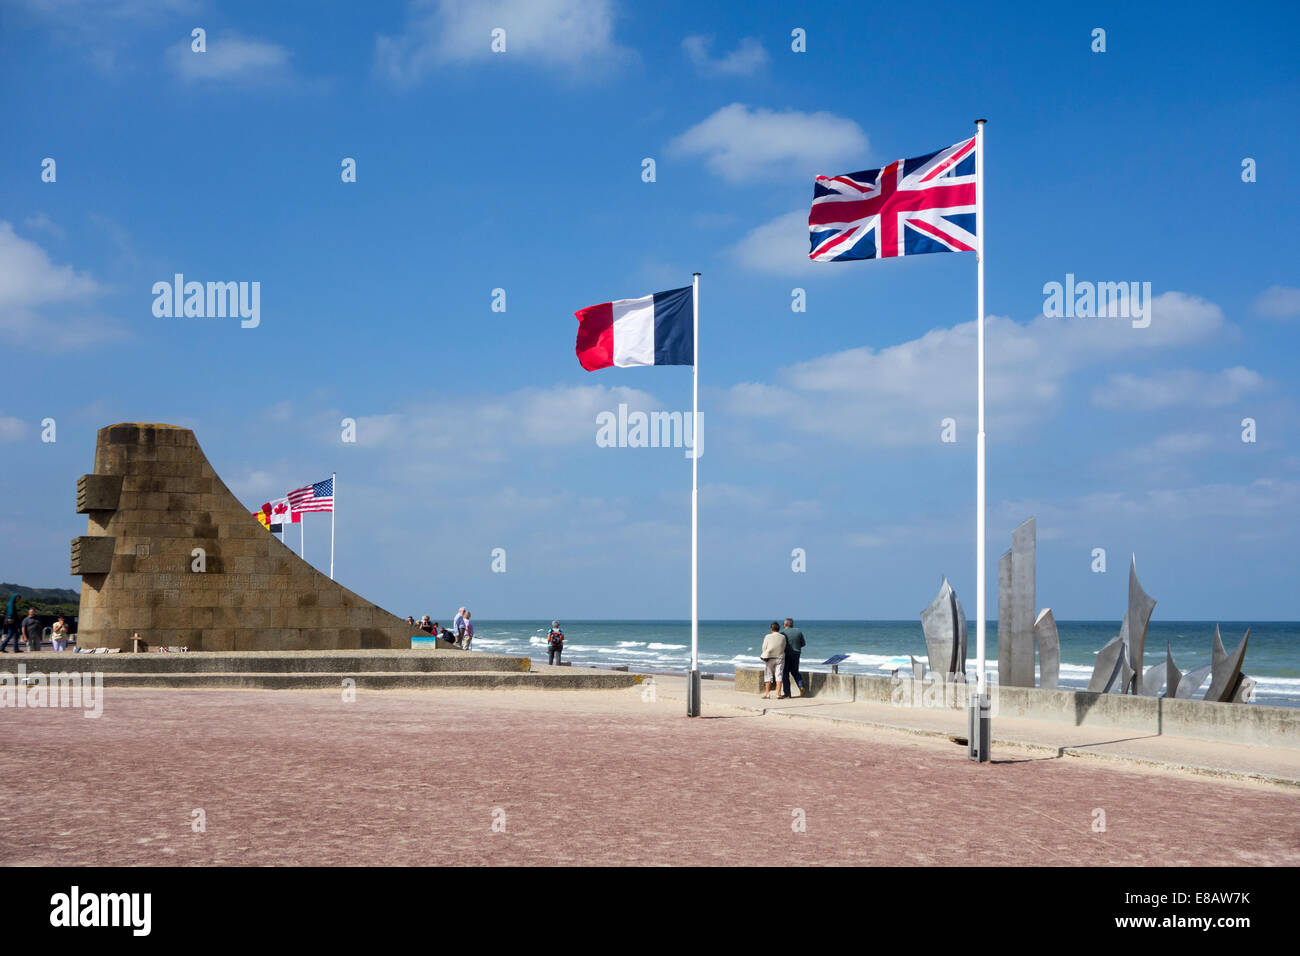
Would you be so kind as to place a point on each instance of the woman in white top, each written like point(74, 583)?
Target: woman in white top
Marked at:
point(773, 655)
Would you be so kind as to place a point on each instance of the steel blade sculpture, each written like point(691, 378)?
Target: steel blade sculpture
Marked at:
point(1119, 669)
point(944, 624)
point(1120, 665)
point(1019, 632)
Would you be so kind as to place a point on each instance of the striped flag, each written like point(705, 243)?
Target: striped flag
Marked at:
point(317, 497)
point(655, 329)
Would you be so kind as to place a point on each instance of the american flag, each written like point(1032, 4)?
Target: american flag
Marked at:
point(911, 206)
point(317, 497)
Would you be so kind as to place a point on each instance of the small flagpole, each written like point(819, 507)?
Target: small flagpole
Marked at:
point(334, 488)
point(693, 679)
point(979, 729)
point(302, 539)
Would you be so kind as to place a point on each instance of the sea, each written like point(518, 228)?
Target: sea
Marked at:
point(878, 647)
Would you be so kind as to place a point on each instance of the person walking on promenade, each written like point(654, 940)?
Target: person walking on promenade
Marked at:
point(469, 631)
point(59, 634)
point(458, 626)
point(554, 644)
point(794, 645)
point(773, 654)
point(10, 627)
point(32, 630)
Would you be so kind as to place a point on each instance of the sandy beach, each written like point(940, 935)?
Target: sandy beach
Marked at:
point(522, 777)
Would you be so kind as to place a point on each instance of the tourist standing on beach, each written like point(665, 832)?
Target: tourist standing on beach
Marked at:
point(554, 644)
point(10, 627)
point(59, 634)
point(794, 645)
point(32, 630)
point(458, 625)
point(773, 654)
point(469, 631)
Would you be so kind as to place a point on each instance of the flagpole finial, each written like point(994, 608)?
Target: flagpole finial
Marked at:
point(980, 122)
point(694, 273)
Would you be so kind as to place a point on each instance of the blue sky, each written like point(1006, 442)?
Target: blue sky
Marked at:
point(522, 171)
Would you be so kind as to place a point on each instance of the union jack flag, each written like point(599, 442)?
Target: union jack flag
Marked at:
point(909, 207)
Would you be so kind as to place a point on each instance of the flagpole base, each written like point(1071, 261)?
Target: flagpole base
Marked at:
point(977, 746)
point(693, 693)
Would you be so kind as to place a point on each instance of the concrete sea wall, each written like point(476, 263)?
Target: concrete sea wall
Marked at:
point(1237, 723)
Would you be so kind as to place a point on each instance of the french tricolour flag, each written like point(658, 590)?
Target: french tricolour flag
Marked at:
point(656, 329)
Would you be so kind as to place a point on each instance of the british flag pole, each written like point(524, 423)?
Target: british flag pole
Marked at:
point(334, 491)
point(978, 746)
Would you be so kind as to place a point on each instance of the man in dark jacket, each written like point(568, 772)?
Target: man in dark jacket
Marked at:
point(794, 645)
point(32, 630)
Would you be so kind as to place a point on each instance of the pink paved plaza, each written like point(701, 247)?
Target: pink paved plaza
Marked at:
point(594, 777)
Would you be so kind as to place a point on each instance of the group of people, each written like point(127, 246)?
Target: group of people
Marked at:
point(461, 633)
point(16, 630)
point(780, 653)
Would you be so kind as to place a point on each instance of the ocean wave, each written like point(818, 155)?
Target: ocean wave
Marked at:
point(631, 643)
point(667, 647)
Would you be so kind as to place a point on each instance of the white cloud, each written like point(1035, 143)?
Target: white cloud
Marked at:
point(1180, 387)
point(445, 438)
point(28, 278)
point(101, 28)
point(229, 57)
point(571, 33)
point(43, 223)
point(742, 144)
point(11, 429)
point(899, 395)
point(780, 247)
point(1279, 302)
point(31, 286)
point(1162, 455)
point(746, 59)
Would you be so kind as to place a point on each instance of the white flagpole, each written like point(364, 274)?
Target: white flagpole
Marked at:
point(980, 614)
point(978, 718)
point(693, 678)
point(302, 536)
point(334, 487)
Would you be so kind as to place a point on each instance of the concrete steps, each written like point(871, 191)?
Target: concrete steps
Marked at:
point(278, 662)
point(373, 680)
point(307, 670)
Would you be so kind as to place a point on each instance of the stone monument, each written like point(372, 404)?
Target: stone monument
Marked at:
point(171, 554)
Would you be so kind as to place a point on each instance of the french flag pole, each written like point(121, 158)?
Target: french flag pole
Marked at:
point(693, 679)
point(978, 738)
point(658, 329)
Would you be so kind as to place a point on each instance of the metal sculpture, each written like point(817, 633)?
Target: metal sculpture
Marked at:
point(1016, 603)
point(1225, 668)
point(1152, 681)
point(944, 624)
point(1111, 668)
point(1191, 682)
point(1140, 606)
point(1049, 649)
